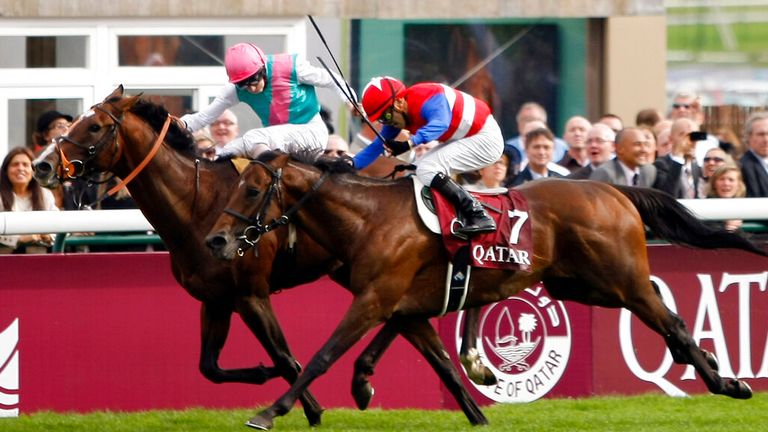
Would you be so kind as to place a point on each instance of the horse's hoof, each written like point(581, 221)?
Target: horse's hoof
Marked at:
point(711, 360)
point(490, 378)
point(480, 420)
point(363, 394)
point(743, 390)
point(259, 422)
point(315, 418)
point(476, 371)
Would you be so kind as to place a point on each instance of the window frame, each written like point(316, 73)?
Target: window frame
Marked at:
point(102, 74)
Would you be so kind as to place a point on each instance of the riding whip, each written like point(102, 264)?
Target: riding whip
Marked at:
point(351, 96)
point(355, 105)
point(322, 38)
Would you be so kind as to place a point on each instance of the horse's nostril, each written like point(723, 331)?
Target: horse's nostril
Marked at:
point(216, 242)
point(43, 168)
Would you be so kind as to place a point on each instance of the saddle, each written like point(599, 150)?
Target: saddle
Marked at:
point(510, 247)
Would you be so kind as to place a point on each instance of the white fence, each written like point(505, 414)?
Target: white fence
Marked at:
point(39, 222)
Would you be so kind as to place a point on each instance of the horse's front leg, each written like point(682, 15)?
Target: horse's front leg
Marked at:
point(361, 317)
point(214, 325)
point(258, 315)
point(469, 356)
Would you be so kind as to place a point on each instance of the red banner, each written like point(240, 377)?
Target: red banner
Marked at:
point(114, 331)
point(721, 295)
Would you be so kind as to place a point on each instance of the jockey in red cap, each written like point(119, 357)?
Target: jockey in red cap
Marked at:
point(280, 89)
point(470, 137)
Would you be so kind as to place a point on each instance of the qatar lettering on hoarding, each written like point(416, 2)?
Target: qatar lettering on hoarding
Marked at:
point(708, 325)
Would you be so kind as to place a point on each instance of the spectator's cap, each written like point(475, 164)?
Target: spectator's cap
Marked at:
point(48, 117)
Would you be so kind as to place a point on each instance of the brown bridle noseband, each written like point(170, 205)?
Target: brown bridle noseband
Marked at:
point(79, 168)
point(256, 227)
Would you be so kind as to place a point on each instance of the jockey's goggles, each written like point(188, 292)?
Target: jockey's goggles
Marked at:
point(386, 116)
point(252, 80)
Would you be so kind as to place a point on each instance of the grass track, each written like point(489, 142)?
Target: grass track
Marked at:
point(637, 413)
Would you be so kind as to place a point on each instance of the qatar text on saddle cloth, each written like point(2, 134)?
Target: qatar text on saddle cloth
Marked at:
point(509, 247)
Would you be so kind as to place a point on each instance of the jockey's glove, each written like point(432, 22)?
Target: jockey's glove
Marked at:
point(398, 147)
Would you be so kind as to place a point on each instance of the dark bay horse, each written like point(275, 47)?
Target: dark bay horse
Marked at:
point(589, 247)
point(181, 195)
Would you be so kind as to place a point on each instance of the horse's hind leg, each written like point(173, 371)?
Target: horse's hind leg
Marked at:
point(258, 315)
point(362, 391)
point(469, 356)
point(684, 350)
point(424, 338)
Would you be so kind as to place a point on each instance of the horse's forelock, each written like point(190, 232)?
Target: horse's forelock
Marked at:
point(268, 156)
point(336, 165)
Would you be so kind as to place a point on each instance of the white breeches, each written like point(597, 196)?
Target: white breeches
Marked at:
point(465, 154)
point(285, 137)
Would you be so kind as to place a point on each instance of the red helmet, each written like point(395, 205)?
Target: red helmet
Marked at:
point(379, 94)
point(242, 61)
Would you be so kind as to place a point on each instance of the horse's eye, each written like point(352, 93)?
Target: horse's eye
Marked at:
point(252, 192)
point(94, 128)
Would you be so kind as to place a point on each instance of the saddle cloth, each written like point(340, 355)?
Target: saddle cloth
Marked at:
point(510, 247)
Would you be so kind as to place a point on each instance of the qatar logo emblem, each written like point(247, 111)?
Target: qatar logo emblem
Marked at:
point(9, 370)
point(526, 341)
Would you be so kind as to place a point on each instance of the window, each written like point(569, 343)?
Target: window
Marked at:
point(69, 65)
point(43, 51)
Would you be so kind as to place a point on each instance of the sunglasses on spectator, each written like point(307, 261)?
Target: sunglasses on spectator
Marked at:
point(713, 159)
point(679, 105)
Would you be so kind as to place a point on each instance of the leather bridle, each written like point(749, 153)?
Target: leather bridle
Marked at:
point(79, 168)
point(256, 226)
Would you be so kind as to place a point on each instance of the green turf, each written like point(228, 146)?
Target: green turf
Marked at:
point(638, 413)
point(750, 38)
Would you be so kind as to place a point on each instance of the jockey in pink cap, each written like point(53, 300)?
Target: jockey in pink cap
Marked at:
point(280, 89)
point(469, 138)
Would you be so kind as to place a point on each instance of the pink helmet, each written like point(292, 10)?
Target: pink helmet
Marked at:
point(242, 61)
point(379, 94)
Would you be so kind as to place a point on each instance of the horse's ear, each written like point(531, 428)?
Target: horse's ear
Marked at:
point(116, 93)
point(125, 104)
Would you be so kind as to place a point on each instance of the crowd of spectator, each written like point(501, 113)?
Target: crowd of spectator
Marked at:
point(671, 153)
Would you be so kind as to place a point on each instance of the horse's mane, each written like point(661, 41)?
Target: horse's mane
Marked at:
point(332, 165)
point(155, 115)
point(336, 165)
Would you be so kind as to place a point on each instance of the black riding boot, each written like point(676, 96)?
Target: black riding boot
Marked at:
point(476, 220)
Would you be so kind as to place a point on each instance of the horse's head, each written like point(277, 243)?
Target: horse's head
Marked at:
point(90, 146)
point(244, 220)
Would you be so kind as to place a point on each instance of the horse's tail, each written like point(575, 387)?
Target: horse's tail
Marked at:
point(673, 222)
